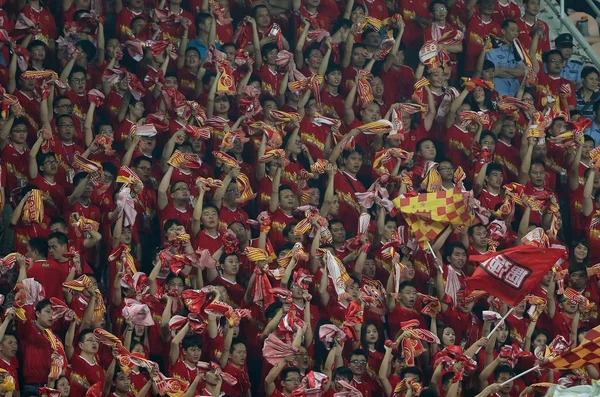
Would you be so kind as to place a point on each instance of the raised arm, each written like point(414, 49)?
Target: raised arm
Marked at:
point(163, 188)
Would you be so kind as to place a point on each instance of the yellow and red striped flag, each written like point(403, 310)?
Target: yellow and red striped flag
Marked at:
point(586, 353)
point(429, 213)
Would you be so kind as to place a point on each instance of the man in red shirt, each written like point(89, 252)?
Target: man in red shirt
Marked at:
point(550, 83)
point(48, 273)
point(43, 168)
point(358, 366)
point(177, 204)
point(8, 349)
point(236, 366)
point(290, 379)
point(37, 350)
point(333, 102)
point(480, 26)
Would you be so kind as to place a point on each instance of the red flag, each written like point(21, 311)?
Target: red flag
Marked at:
point(513, 273)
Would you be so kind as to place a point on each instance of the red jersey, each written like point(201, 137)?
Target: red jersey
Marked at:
point(263, 192)
point(181, 370)
point(400, 314)
point(36, 350)
point(54, 196)
point(333, 104)
point(398, 83)
point(551, 86)
point(65, 153)
point(346, 186)
point(83, 375)
point(138, 381)
point(526, 36)
point(243, 381)
point(173, 31)
point(518, 328)
point(145, 205)
point(503, 12)
point(11, 367)
point(490, 200)
point(467, 326)
point(25, 232)
point(235, 291)
point(229, 215)
point(507, 155)
point(477, 30)
point(51, 275)
point(43, 19)
point(413, 33)
point(124, 19)
point(205, 241)
point(182, 216)
point(270, 80)
point(224, 33)
point(187, 82)
point(458, 146)
point(314, 136)
point(363, 386)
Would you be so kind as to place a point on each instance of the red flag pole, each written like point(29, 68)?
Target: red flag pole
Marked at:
point(521, 374)
point(501, 321)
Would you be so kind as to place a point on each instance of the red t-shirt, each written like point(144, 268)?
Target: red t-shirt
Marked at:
point(458, 146)
point(83, 375)
point(508, 157)
point(346, 186)
point(270, 80)
point(243, 381)
point(477, 30)
point(413, 33)
point(51, 275)
point(503, 12)
point(184, 217)
point(400, 314)
point(12, 367)
point(205, 241)
point(333, 104)
point(54, 196)
point(526, 36)
point(314, 137)
point(228, 215)
point(489, 200)
point(398, 83)
point(551, 86)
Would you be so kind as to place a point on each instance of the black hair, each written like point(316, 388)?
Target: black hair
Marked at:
point(41, 305)
point(83, 333)
point(405, 284)
point(191, 341)
point(110, 168)
point(339, 24)
point(508, 22)
point(258, 7)
point(268, 48)
point(321, 350)
point(449, 248)
point(273, 308)
point(586, 71)
point(487, 65)
point(41, 157)
point(138, 160)
point(284, 373)
point(503, 369)
point(342, 372)
point(312, 47)
point(546, 55)
point(39, 245)
point(61, 238)
point(363, 337)
point(236, 341)
point(200, 19)
point(434, 2)
point(357, 352)
point(411, 370)
point(77, 69)
point(492, 167)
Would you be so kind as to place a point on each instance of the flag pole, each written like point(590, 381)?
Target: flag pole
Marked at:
point(434, 257)
point(497, 325)
point(500, 322)
point(521, 374)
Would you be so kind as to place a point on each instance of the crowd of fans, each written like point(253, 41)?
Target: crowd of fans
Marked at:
point(198, 197)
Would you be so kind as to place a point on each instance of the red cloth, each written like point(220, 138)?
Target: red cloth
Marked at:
point(508, 157)
point(54, 196)
point(503, 12)
point(333, 105)
point(398, 83)
point(51, 275)
point(43, 19)
point(346, 186)
point(243, 381)
point(183, 217)
point(84, 375)
point(552, 86)
point(477, 30)
point(526, 37)
point(12, 367)
point(513, 273)
point(314, 137)
point(400, 314)
point(270, 80)
point(413, 33)
point(458, 146)
point(23, 233)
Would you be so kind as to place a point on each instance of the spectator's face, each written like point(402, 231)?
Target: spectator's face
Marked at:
point(78, 82)
point(181, 191)
point(377, 86)
point(314, 195)
point(66, 129)
point(528, 98)
point(440, 12)
point(238, 354)
point(486, 7)
point(370, 268)
point(89, 344)
point(221, 105)
point(358, 364)
point(176, 284)
point(488, 74)
point(64, 106)
point(357, 16)
point(18, 133)
point(353, 162)
point(334, 210)
point(537, 175)
point(557, 127)
point(63, 386)
point(398, 59)
point(540, 340)
point(291, 381)
point(44, 317)
point(137, 26)
point(230, 52)
point(55, 249)
point(106, 130)
point(231, 265)
point(112, 48)
point(192, 354)
point(372, 334)
point(358, 57)
point(566, 51)
point(334, 78)
point(494, 179)
point(9, 346)
point(458, 258)
point(503, 377)
point(540, 151)
point(137, 110)
point(315, 58)
point(509, 129)
point(436, 78)
point(532, 7)
point(577, 280)
point(38, 52)
point(554, 63)
point(511, 32)
point(232, 194)
point(590, 82)
point(263, 18)
point(448, 337)
point(428, 151)
point(210, 218)
point(581, 252)
point(370, 113)
point(446, 171)
point(373, 39)
point(408, 297)
point(171, 82)
point(480, 236)
point(489, 143)
point(126, 235)
point(49, 166)
point(143, 170)
point(268, 106)
point(123, 383)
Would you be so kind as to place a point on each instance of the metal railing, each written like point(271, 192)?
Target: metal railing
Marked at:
point(581, 40)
